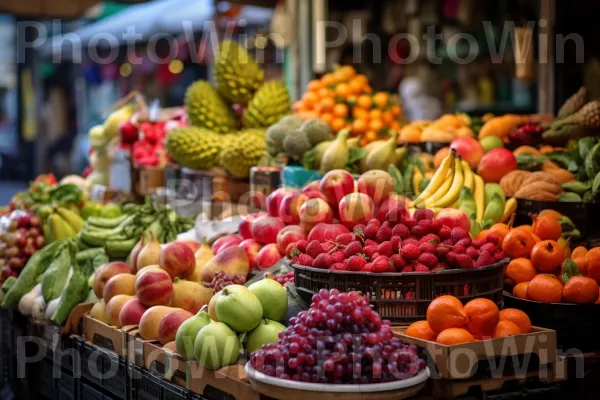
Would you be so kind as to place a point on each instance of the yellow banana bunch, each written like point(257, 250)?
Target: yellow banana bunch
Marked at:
point(438, 180)
point(62, 224)
point(479, 194)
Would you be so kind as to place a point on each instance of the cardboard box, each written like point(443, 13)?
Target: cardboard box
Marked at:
point(105, 336)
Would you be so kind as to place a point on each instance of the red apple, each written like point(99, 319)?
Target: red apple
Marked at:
point(287, 236)
point(315, 211)
point(393, 201)
point(312, 186)
point(335, 185)
point(265, 229)
point(268, 256)
point(245, 228)
point(376, 184)
point(251, 247)
point(289, 209)
point(224, 242)
point(313, 194)
point(495, 164)
point(192, 244)
point(469, 149)
point(356, 208)
point(454, 218)
point(325, 232)
point(258, 200)
point(274, 200)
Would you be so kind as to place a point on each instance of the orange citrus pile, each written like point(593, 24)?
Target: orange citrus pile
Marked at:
point(344, 99)
point(449, 323)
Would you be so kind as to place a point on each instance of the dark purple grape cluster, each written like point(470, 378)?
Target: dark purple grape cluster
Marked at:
point(340, 339)
point(221, 279)
point(285, 277)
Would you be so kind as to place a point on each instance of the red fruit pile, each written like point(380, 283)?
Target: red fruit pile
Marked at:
point(339, 340)
point(400, 244)
point(23, 238)
point(285, 278)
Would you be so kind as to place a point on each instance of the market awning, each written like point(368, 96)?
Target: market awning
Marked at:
point(50, 8)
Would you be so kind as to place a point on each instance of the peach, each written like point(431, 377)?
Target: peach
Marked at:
point(153, 286)
point(132, 312)
point(170, 347)
point(469, 149)
point(356, 208)
point(211, 307)
point(251, 247)
point(268, 256)
point(106, 272)
point(393, 201)
point(289, 209)
point(335, 185)
point(274, 201)
point(119, 284)
point(289, 234)
point(113, 309)
point(194, 245)
point(167, 328)
point(98, 311)
point(224, 242)
point(495, 164)
point(265, 229)
point(245, 227)
point(325, 232)
point(454, 218)
point(376, 184)
point(190, 296)
point(313, 212)
point(178, 259)
point(148, 327)
point(232, 261)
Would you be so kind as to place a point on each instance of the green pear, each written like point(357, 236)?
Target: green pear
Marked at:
point(239, 308)
point(336, 155)
point(490, 189)
point(187, 332)
point(272, 296)
point(382, 156)
point(266, 332)
point(216, 346)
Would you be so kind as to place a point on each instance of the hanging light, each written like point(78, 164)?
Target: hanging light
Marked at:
point(125, 70)
point(176, 67)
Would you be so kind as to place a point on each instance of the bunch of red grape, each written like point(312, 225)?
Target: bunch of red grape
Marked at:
point(222, 279)
point(340, 339)
point(23, 238)
point(285, 277)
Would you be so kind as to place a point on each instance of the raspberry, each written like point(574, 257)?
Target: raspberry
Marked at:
point(371, 231)
point(409, 252)
point(338, 267)
point(327, 247)
point(395, 241)
point(466, 242)
point(426, 225)
point(314, 248)
point(368, 267)
point(410, 241)
point(428, 259)
point(444, 232)
point(306, 260)
point(370, 242)
point(436, 225)
point(381, 264)
point(338, 256)
point(459, 249)
point(464, 261)
point(442, 251)
point(430, 237)
point(375, 221)
point(489, 248)
point(291, 250)
point(385, 249)
point(417, 231)
point(323, 260)
point(301, 245)
point(369, 250)
point(451, 257)
point(410, 222)
point(472, 252)
point(398, 262)
point(426, 247)
point(477, 243)
point(499, 255)
point(346, 238)
point(484, 259)
point(458, 233)
point(491, 238)
point(408, 268)
point(421, 268)
point(385, 232)
point(401, 230)
point(355, 263)
point(352, 249)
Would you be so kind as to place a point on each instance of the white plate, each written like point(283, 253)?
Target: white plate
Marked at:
point(325, 387)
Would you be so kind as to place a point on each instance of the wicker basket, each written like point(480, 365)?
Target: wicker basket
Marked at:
point(404, 298)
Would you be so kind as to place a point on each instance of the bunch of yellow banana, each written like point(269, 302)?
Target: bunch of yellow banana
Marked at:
point(62, 224)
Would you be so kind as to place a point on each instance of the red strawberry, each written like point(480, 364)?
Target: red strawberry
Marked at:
point(426, 225)
point(314, 248)
point(409, 252)
point(352, 249)
point(410, 241)
point(291, 250)
point(410, 222)
point(439, 268)
point(368, 267)
point(381, 264)
point(395, 241)
point(398, 262)
point(458, 233)
point(444, 232)
point(430, 237)
point(491, 238)
point(385, 249)
point(384, 233)
point(428, 259)
point(401, 230)
point(370, 242)
point(451, 257)
point(369, 250)
point(441, 251)
point(484, 259)
point(338, 256)
point(417, 231)
point(395, 215)
point(466, 242)
point(489, 248)
point(355, 263)
point(370, 231)
point(464, 261)
point(375, 255)
point(423, 214)
point(306, 260)
point(472, 252)
point(338, 267)
point(477, 243)
point(426, 247)
point(421, 268)
point(375, 221)
point(359, 230)
point(296, 261)
point(499, 255)
point(327, 247)
point(408, 268)
point(346, 238)
point(459, 249)
point(301, 245)
point(436, 225)
point(323, 260)
point(448, 242)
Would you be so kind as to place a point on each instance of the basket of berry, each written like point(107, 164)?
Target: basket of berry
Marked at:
point(399, 272)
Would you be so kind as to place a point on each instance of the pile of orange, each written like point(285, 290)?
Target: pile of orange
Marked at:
point(449, 323)
point(542, 267)
point(344, 99)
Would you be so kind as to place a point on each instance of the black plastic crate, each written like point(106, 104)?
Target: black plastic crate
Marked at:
point(88, 392)
point(67, 387)
point(92, 363)
point(174, 392)
point(115, 376)
point(145, 386)
point(45, 381)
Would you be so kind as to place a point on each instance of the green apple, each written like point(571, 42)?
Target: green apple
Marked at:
point(239, 308)
point(187, 332)
point(272, 296)
point(216, 346)
point(490, 143)
point(265, 333)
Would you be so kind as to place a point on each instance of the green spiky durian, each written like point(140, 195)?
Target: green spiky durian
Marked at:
point(270, 103)
point(206, 109)
point(195, 148)
point(244, 151)
point(237, 74)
